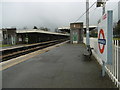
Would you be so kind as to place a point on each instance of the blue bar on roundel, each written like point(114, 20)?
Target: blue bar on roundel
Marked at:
point(102, 41)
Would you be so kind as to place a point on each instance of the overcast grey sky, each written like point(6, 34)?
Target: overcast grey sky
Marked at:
point(49, 14)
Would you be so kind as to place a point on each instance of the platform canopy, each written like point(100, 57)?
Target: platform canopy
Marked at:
point(40, 31)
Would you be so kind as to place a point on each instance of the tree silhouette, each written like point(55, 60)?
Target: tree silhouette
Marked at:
point(117, 30)
point(35, 27)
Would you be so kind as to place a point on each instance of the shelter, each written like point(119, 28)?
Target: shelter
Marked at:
point(76, 32)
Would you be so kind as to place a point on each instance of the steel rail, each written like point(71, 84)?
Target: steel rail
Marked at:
point(13, 52)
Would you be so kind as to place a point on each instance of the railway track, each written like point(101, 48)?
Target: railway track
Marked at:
point(10, 53)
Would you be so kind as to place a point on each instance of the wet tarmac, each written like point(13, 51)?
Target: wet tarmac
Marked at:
point(61, 67)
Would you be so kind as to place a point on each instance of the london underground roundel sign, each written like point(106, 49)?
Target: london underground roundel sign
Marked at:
point(101, 41)
point(104, 47)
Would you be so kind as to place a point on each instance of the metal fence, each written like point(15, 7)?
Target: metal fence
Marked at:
point(113, 69)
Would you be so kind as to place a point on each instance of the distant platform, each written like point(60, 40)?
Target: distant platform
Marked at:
point(13, 46)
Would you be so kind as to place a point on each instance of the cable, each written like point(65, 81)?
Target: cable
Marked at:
point(93, 10)
point(86, 11)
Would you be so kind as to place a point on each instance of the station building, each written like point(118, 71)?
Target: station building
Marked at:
point(12, 36)
point(36, 36)
point(8, 36)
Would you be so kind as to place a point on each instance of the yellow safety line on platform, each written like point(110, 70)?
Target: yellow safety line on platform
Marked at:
point(6, 64)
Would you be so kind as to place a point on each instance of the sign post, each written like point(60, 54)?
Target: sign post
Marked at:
point(105, 35)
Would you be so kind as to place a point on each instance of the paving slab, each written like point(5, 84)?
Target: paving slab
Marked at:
point(61, 67)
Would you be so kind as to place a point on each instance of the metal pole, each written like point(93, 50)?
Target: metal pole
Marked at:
point(103, 69)
point(87, 24)
point(103, 66)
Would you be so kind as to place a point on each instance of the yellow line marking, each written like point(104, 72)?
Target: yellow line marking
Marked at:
point(12, 62)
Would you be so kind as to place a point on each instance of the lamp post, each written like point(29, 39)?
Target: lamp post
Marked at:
point(87, 24)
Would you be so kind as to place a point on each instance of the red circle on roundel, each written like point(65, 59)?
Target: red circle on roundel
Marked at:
point(101, 49)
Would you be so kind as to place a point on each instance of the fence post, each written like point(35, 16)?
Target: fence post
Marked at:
point(103, 69)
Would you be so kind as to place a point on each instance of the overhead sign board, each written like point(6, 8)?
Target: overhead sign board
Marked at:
point(105, 34)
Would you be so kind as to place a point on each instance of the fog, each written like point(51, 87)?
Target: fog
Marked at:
point(49, 14)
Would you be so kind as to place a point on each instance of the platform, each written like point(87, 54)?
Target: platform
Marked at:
point(61, 67)
point(13, 46)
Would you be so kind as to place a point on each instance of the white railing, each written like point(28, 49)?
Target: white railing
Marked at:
point(113, 69)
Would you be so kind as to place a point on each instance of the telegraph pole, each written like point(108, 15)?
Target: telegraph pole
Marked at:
point(87, 24)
